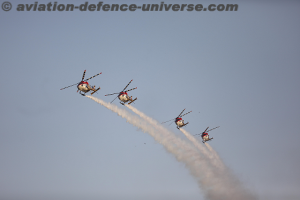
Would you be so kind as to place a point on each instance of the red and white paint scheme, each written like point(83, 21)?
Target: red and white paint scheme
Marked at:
point(178, 120)
point(205, 136)
point(84, 86)
point(123, 96)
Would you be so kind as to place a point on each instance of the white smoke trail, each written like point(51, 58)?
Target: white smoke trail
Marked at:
point(157, 125)
point(216, 157)
point(185, 153)
point(212, 157)
point(206, 158)
point(212, 183)
point(151, 121)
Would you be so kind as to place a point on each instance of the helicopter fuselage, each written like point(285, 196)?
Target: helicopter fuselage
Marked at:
point(123, 96)
point(179, 122)
point(84, 86)
point(205, 137)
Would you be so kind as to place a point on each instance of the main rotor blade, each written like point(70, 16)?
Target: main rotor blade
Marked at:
point(168, 121)
point(127, 85)
point(130, 89)
point(213, 128)
point(181, 112)
point(112, 94)
point(83, 75)
point(185, 114)
point(69, 86)
point(114, 99)
point(93, 77)
point(205, 130)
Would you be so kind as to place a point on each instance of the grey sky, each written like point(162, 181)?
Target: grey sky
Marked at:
point(240, 70)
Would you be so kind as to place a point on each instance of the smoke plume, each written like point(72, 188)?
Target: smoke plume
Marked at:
point(214, 184)
point(211, 155)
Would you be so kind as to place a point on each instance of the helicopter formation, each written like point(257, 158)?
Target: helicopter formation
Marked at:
point(84, 87)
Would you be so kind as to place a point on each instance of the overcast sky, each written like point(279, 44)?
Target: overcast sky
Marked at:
point(238, 70)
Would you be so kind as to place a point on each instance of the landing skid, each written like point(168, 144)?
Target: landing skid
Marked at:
point(207, 140)
point(132, 101)
point(127, 101)
point(182, 126)
point(81, 93)
point(95, 91)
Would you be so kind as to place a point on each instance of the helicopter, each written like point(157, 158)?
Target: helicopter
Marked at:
point(205, 136)
point(123, 96)
point(84, 86)
point(178, 120)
